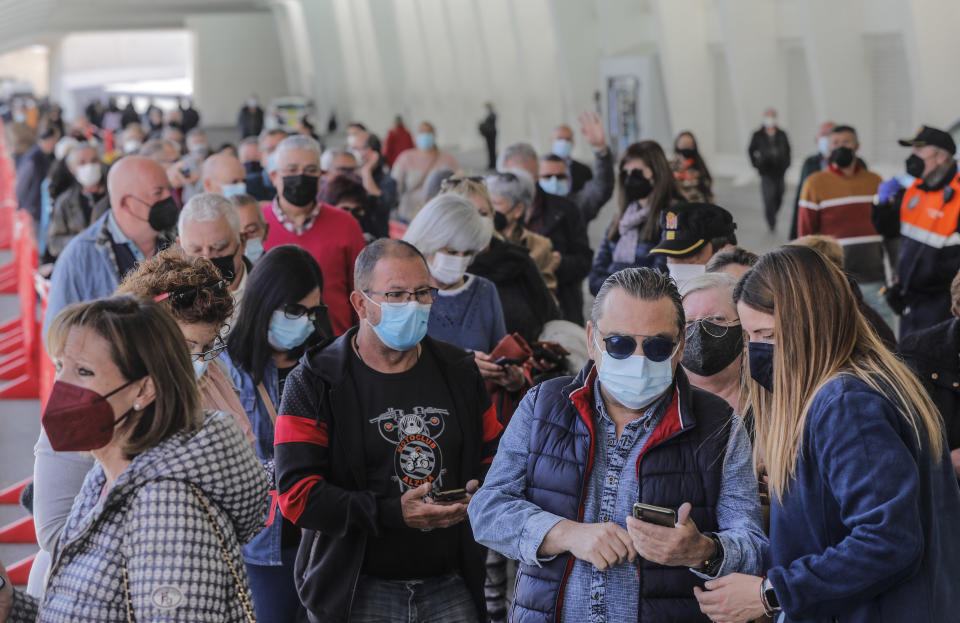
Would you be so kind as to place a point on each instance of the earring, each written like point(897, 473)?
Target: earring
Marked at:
point(136, 406)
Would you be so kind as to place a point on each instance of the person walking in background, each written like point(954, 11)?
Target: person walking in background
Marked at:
point(488, 130)
point(769, 153)
point(250, 118)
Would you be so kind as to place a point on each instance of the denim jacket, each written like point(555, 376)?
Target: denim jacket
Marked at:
point(264, 549)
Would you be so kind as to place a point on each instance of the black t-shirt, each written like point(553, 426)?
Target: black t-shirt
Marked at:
point(411, 436)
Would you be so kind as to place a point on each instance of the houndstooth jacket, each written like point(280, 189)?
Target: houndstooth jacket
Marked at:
point(153, 523)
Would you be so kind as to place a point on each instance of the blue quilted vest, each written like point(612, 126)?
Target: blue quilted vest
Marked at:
point(682, 462)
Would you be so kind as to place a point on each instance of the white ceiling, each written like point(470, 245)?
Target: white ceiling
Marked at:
point(25, 22)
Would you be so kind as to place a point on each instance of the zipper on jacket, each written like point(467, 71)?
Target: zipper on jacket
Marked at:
point(356, 578)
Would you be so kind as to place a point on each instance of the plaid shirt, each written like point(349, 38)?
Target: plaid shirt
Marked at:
point(289, 225)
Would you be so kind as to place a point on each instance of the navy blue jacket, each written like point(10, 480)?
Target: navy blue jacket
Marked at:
point(681, 462)
point(869, 530)
point(30, 175)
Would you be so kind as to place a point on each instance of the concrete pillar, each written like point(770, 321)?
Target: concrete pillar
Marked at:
point(930, 33)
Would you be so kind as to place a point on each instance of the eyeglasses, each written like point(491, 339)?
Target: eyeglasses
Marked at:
point(187, 296)
point(296, 310)
point(423, 295)
point(506, 176)
point(211, 354)
point(711, 327)
point(655, 348)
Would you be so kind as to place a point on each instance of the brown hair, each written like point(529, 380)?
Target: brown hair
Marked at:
point(819, 334)
point(828, 246)
point(144, 342)
point(665, 189)
point(169, 271)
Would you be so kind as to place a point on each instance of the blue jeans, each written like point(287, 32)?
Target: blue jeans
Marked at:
point(275, 598)
point(435, 600)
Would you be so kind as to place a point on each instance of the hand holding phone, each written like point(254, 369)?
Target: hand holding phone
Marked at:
point(508, 361)
point(450, 495)
point(658, 515)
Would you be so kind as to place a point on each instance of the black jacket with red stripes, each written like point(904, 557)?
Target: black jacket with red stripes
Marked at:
point(321, 471)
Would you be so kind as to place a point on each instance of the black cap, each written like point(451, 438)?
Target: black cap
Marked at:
point(931, 136)
point(686, 227)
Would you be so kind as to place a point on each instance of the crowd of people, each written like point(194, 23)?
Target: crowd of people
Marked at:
point(358, 383)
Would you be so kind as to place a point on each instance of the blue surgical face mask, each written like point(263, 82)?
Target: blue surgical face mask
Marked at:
point(761, 364)
point(288, 333)
point(402, 325)
point(555, 186)
point(823, 146)
point(636, 381)
point(254, 250)
point(199, 368)
point(562, 147)
point(229, 190)
point(272, 162)
point(425, 140)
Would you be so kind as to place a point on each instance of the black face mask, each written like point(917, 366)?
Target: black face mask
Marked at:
point(163, 214)
point(915, 165)
point(224, 264)
point(689, 154)
point(637, 186)
point(842, 157)
point(706, 355)
point(252, 168)
point(300, 190)
point(499, 221)
point(761, 364)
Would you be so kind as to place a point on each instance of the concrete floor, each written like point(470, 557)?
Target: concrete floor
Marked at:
point(20, 419)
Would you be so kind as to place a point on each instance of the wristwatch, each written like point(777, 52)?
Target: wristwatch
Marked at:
point(770, 596)
point(712, 565)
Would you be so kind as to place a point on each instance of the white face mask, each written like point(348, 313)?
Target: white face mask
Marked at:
point(683, 273)
point(769, 122)
point(89, 174)
point(449, 269)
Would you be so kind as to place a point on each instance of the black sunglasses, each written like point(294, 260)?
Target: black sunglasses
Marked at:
point(654, 348)
point(452, 182)
point(187, 296)
point(296, 310)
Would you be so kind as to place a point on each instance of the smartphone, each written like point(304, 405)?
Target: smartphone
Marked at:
point(655, 514)
point(450, 495)
point(508, 361)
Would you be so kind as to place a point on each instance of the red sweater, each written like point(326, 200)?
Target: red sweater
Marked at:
point(334, 240)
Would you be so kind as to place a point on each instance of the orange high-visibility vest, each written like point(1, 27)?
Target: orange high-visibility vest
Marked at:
point(927, 218)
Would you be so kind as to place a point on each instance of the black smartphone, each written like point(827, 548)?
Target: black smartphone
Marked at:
point(450, 495)
point(655, 514)
point(508, 361)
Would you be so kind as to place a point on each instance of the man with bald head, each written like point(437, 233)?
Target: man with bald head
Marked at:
point(139, 224)
point(224, 175)
point(562, 146)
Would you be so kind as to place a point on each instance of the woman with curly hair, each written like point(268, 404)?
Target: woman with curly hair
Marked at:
point(192, 289)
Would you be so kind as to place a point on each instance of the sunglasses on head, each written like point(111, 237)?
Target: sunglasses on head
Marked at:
point(655, 348)
point(453, 182)
point(187, 296)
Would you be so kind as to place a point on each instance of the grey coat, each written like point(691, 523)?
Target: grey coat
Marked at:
point(153, 523)
point(69, 219)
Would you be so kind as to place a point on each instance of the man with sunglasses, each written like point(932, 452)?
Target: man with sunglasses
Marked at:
point(382, 437)
point(579, 453)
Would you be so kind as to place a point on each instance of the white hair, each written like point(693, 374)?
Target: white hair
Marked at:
point(298, 141)
point(74, 154)
point(207, 208)
point(449, 221)
point(524, 151)
point(709, 281)
point(326, 160)
point(520, 190)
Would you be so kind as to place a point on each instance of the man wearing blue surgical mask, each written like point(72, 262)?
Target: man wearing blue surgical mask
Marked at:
point(580, 452)
point(383, 436)
point(562, 147)
point(224, 175)
point(561, 175)
point(411, 168)
point(259, 183)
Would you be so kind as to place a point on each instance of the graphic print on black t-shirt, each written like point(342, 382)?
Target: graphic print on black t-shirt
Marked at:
point(418, 458)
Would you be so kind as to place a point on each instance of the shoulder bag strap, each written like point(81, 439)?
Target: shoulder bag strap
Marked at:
point(271, 410)
point(241, 593)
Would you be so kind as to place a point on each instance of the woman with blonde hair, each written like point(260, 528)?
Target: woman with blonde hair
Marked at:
point(864, 501)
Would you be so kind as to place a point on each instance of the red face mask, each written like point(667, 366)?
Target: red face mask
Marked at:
point(78, 419)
